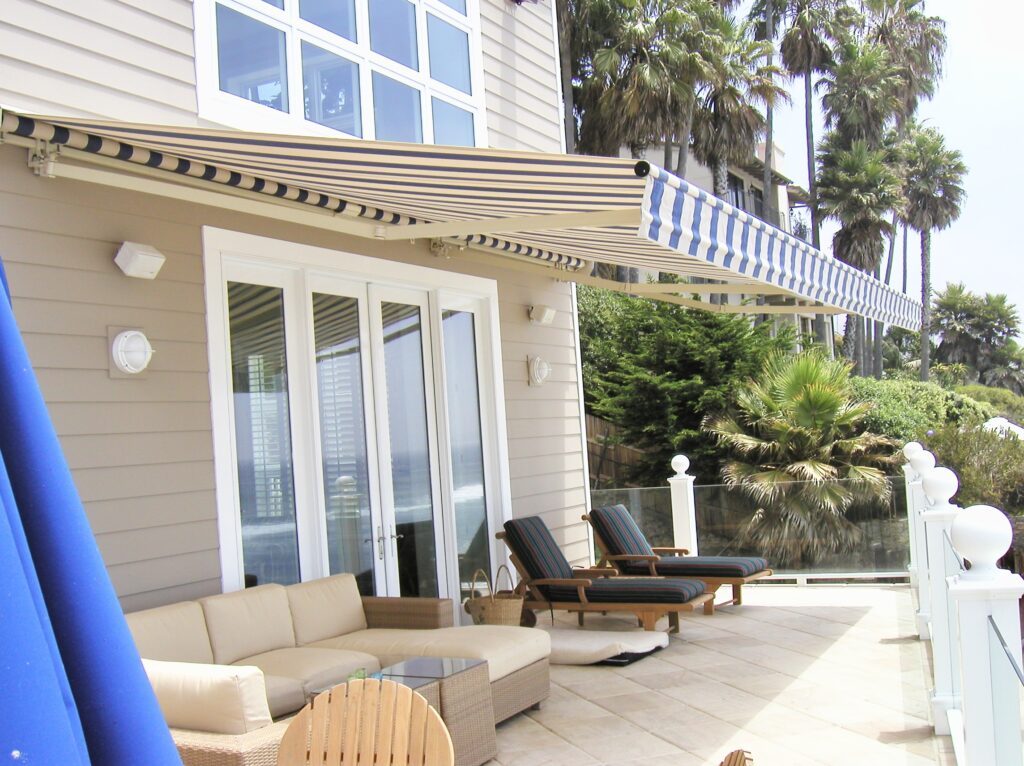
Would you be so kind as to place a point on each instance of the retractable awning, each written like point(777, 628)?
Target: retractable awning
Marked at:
point(563, 210)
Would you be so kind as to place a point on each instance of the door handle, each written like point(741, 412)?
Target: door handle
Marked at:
point(380, 542)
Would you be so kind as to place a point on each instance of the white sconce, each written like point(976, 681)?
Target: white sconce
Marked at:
point(139, 261)
point(543, 315)
point(131, 351)
point(538, 369)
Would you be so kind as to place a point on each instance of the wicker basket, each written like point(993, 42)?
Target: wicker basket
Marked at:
point(496, 608)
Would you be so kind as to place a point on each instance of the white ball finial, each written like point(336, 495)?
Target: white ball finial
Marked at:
point(911, 449)
point(922, 461)
point(940, 484)
point(680, 463)
point(981, 534)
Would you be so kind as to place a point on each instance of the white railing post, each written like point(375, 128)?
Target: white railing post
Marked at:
point(982, 534)
point(684, 508)
point(921, 462)
point(909, 450)
point(940, 484)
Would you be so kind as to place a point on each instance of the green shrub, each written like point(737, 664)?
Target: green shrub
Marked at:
point(990, 466)
point(906, 410)
point(1003, 401)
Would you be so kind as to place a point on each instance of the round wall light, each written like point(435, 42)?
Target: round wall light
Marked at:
point(131, 351)
point(538, 369)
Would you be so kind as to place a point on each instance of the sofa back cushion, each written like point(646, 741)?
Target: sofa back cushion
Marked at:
point(174, 633)
point(224, 699)
point(248, 622)
point(325, 608)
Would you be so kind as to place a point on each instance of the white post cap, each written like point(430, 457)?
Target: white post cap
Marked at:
point(922, 461)
point(940, 484)
point(911, 448)
point(679, 464)
point(981, 534)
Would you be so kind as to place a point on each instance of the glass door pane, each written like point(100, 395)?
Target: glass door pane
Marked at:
point(412, 483)
point(343, 451)
point(266, 488)
point(463, 395)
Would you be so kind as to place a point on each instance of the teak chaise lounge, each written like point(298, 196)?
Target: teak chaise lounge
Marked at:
point(625, 549)
point(549, 582)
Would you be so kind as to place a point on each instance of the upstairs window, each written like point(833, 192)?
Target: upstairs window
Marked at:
point(391, 70)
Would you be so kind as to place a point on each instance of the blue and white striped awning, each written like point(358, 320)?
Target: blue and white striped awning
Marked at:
point(566, 211)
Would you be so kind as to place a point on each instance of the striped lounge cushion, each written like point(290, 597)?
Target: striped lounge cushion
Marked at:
point(532, 543)
point(701, 566)
point(620, 532)
point(631, 591)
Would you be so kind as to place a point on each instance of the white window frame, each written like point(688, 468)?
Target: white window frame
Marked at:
point(218, 107)
point(302, 267)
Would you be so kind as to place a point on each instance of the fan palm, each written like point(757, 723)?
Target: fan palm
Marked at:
point(934, 193)
point(728, 122)
point(861, 92)
point(800, 451)
point(955, 319)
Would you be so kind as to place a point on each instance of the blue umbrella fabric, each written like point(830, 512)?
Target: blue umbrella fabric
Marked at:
point(72, 688)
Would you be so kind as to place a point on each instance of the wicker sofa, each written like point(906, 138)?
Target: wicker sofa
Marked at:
point(228, 668)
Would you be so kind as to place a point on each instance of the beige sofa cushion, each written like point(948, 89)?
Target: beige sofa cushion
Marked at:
point(325, 608)
point(284, 695)
point(316, 669)
point(174, 633)
point(224, 699)
point(506, 649)
point(248, 622)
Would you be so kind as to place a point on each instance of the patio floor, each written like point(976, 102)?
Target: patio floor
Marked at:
point(797, 675)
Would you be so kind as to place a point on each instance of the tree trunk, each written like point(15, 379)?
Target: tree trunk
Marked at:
point(862, 341)
point(565, 62)
point(820, 328)
point(926, 300)
point(850, 338)
point(685, 124)
point(892, 248)
point(879, 327)
point(905, 259)
point(668, 153)
point(720, 178)
point(769, 128)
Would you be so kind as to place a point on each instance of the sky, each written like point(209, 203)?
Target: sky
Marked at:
point(979, 108)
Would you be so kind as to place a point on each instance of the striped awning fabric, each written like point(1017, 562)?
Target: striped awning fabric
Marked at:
point(564, 210)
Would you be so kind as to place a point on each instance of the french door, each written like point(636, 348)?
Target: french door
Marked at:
point(362, 423)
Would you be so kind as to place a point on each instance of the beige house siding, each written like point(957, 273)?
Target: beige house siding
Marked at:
point(520, 62)
point(141, 449)
point(113, 58)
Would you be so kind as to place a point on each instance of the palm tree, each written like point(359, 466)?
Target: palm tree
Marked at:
point(857, 187)
point(934, 193)
point(861, 92)
point(800, 451)
point(727, 122)
point(635, 70)
point(955, 319)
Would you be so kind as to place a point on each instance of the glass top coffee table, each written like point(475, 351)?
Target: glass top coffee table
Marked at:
point(464, 691)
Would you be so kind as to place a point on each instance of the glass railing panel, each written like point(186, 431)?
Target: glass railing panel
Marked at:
point(651, 507)
point(870, 536)
point(1007, 693)
point(954, 565)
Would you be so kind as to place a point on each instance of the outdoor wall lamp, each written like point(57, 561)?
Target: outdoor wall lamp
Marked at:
point(541, 314)
point(139, 261)
point(538, 370)
point(131, 351)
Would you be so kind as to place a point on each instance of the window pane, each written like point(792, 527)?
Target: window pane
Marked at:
point(330, 90)
point(338, 16)
point(396, 111)
point(393, 31)
point(343, 438)
point(259, 373)
point(410, 449)
point(251, 59)
point(449, 53)
point(452, 126)
point(275, 3)
point(458, 5)
point(463, 394)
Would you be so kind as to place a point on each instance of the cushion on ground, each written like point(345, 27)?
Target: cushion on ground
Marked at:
point(625, 590)
point(702, 566)
point(224, 699)
point(506, 649)
point(325, 608)
point(571, 646)
point(317, 669)
point(248, 622)
point(173, 633)
point(284, 695)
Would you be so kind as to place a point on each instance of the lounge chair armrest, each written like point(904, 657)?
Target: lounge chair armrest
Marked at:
point(671, 551)
point(408, 612)
point(594, 572)
point(631, 557)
